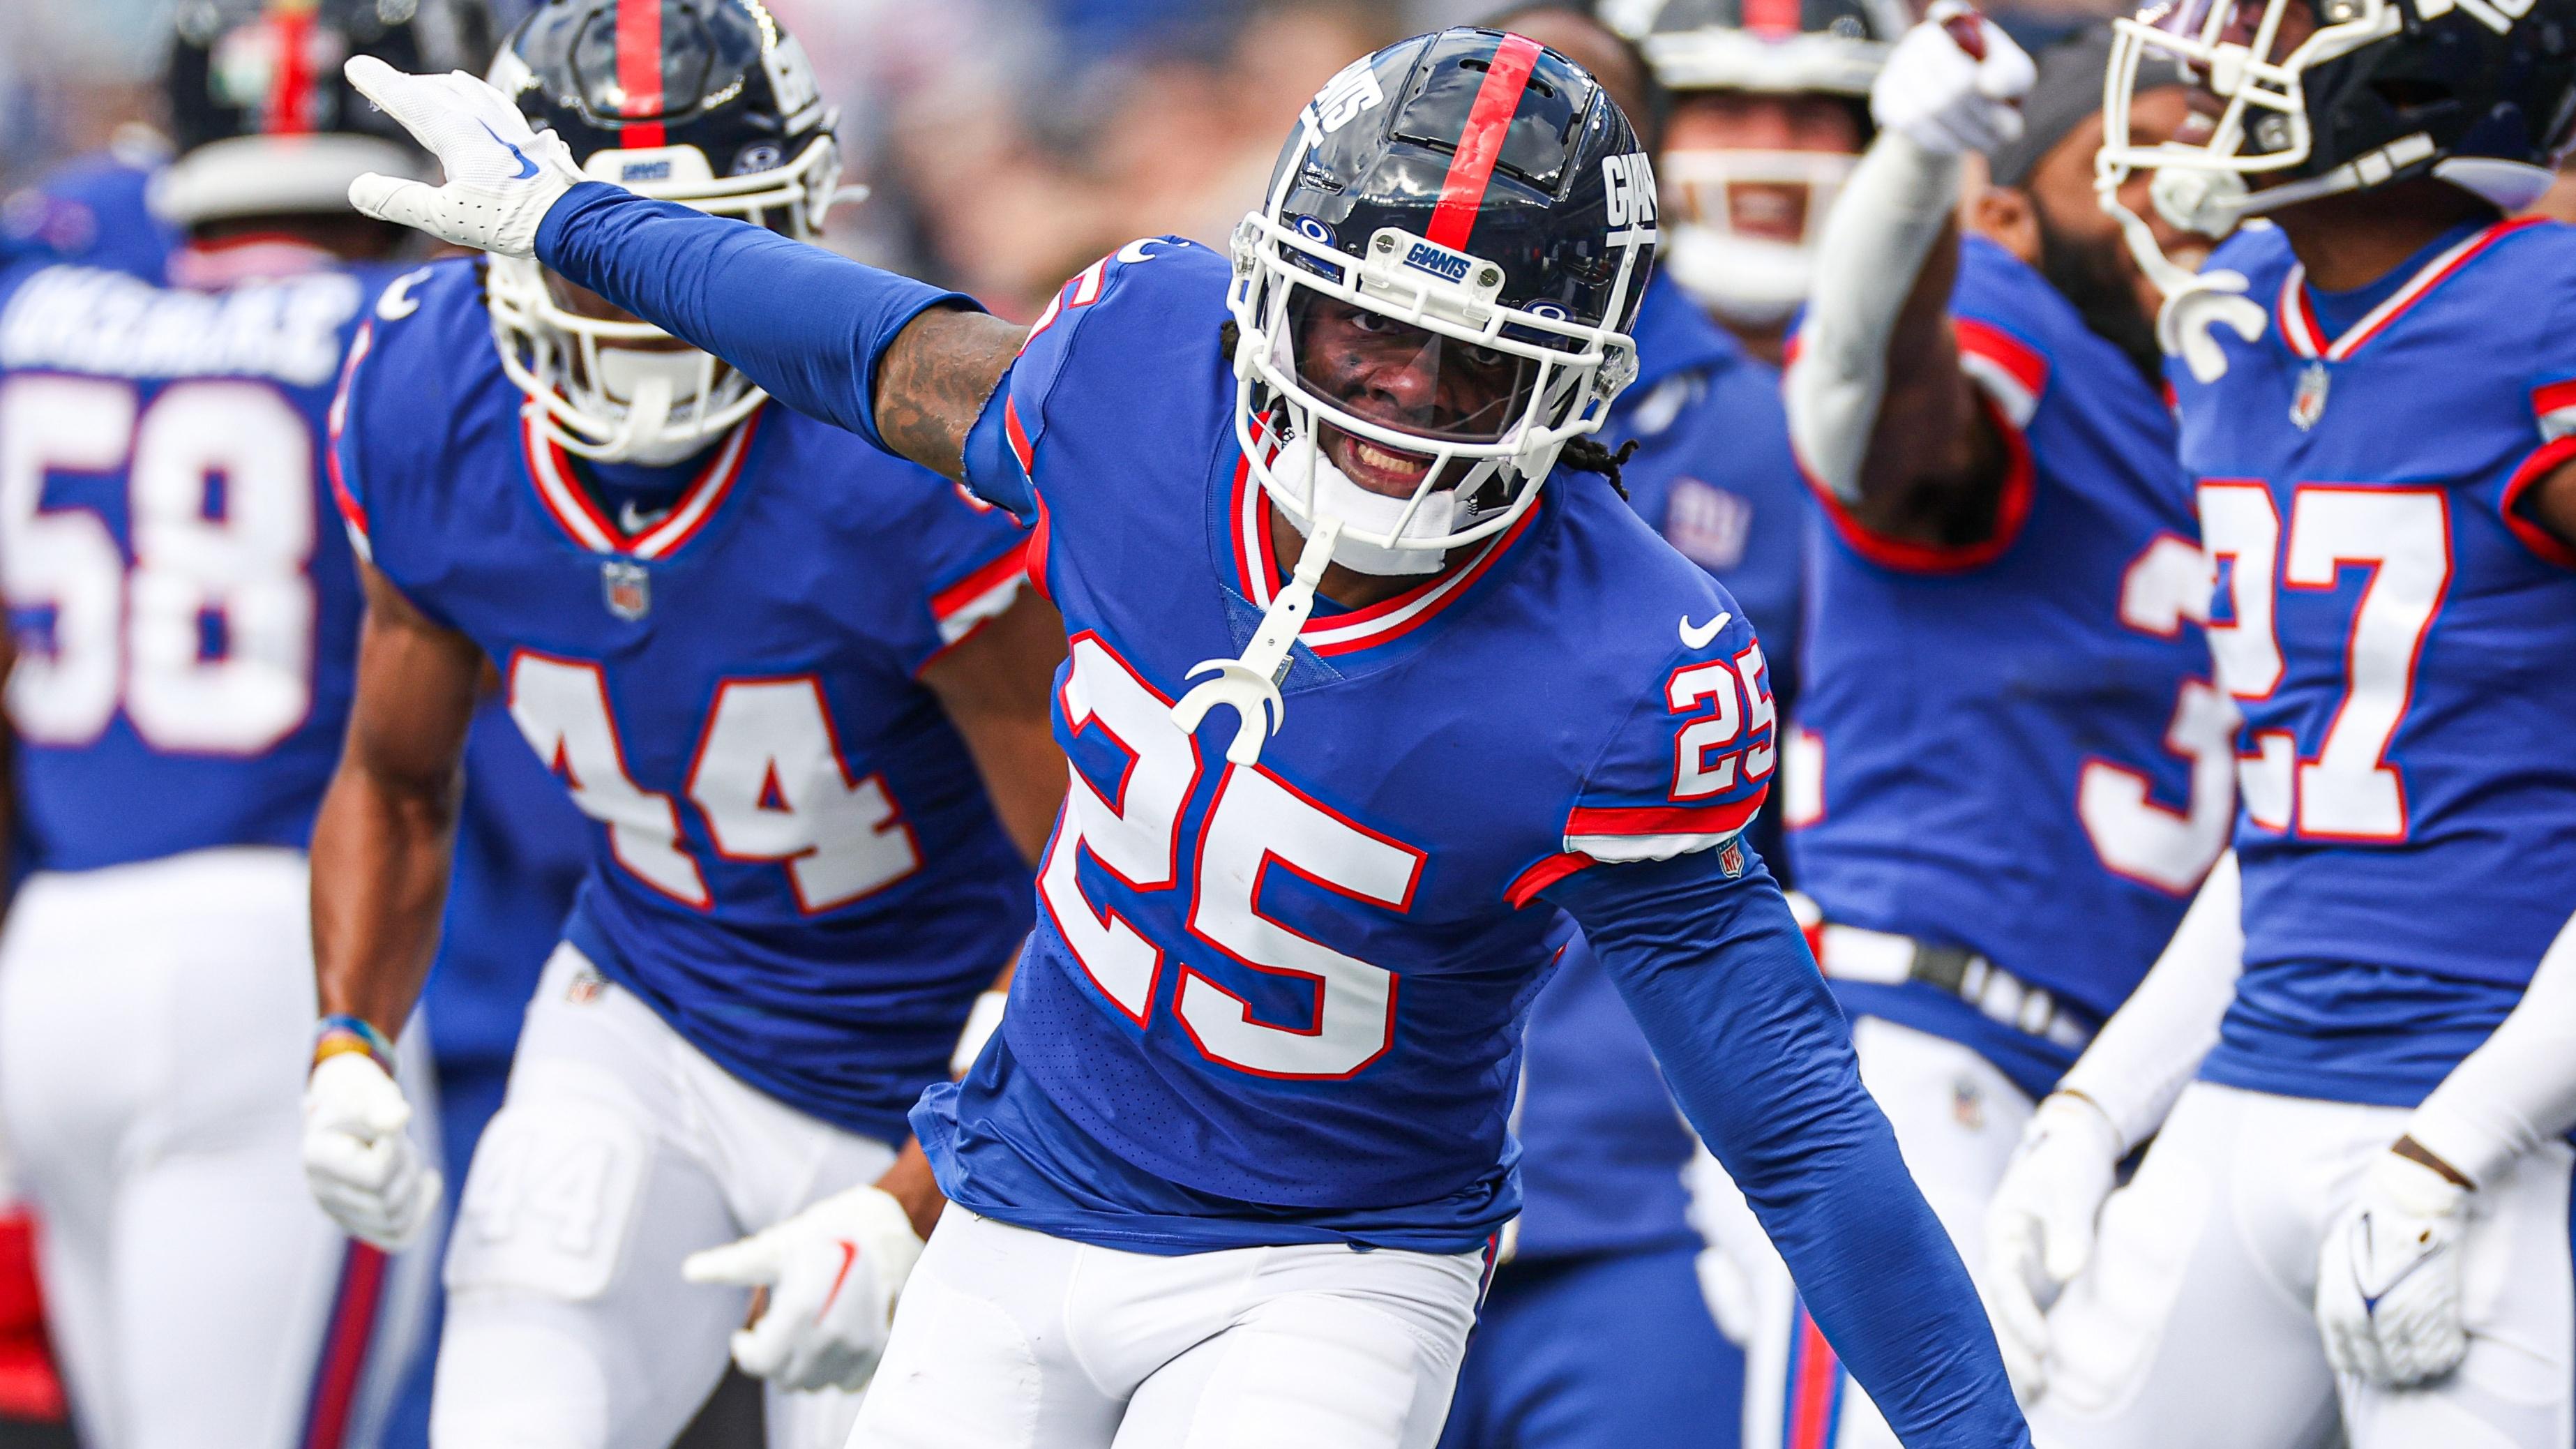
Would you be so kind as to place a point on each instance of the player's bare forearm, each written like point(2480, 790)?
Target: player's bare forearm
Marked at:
point(387, 829)
point(2552, 504)
point(998, 688)
point(934, 380)
point(911, 1183)
point(1935, 466)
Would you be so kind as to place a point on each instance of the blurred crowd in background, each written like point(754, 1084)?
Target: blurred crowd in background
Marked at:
point(1006, 143)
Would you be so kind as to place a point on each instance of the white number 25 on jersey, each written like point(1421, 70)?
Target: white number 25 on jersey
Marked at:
point(233, 551)
point(1257, 821)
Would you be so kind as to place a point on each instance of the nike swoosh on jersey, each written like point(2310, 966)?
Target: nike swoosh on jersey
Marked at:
point(1699, 636)
point(527, 168)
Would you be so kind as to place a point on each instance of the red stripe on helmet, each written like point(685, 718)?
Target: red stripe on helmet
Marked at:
point(1462, 194)
point(639, 69)
point(1772, 17)
point(290, 80)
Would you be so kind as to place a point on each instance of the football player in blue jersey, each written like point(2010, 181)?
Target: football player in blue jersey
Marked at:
point(1596, 1331)
point(2019, 771)
point(1770, 111)
point(769, 663)
point(2359, 1210)
point(183, 617)
point(1231, 1169)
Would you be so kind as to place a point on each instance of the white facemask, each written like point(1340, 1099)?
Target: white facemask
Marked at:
point(1750, 281)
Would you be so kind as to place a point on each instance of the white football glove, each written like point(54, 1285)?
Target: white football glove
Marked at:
point(364, 1169)
point(2388, 1277)
point(1954, 83)
point(501, 177)
point(2039, 1227)
point(834, 1273)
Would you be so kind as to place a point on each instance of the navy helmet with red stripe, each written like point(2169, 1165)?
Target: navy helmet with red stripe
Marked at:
point(262, 121)
point(1478, 197)
point(705, 102)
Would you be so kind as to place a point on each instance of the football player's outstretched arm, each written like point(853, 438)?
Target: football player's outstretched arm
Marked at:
point(998, 687)
point(1717, 973)
point(818, 331)
point(387, 831)
point(1881, 414)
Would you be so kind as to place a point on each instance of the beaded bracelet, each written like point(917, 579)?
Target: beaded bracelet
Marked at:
point(338, 1035)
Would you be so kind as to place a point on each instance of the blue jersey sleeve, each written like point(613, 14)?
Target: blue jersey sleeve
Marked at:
point(386, 432)
point(1122, 358)
point(804, 323)
point(1717, 974)
point(973, 561)
point(1692, 757)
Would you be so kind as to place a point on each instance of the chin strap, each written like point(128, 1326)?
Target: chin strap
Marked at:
point(2196, 303)
point(1250, 685)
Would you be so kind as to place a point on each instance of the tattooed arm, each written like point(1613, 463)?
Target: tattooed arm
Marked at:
point(901, 363)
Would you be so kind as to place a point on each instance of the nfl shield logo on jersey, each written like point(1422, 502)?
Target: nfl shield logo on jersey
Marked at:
point(628, 589)
point(2309, 403)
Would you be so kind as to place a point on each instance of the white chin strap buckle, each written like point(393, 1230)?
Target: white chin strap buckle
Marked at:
point(1250, 685)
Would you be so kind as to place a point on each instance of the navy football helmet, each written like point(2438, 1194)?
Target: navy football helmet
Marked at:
point(263, 122)
point(1472, 198)
point(705, 102)
point(2327, 96)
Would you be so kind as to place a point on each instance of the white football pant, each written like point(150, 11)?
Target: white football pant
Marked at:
point(155, 1024)
point(619, 1150)
point(1957, 1118)
point(2193, 1326)
point(1011, 1339)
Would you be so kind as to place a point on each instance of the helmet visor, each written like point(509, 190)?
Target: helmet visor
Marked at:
point(1407, 378)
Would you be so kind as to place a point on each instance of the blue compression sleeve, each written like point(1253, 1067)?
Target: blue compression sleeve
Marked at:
point(804, 323)
point(1717, 974)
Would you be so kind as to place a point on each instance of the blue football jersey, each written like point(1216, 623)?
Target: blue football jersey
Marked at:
point(180, 598)
point(1282, 1002)
point(792, 857)
point(1603, 1146)
point(2398, 638)
point(2015, 746)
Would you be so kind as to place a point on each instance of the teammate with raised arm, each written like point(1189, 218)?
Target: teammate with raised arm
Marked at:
point(2018, 770)
point(2359, 1210)
point(1269, 1012)
point(183, 617)
point(770, 663)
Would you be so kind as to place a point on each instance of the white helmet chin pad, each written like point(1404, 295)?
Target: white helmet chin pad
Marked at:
point(1749, 281)
point(1331, 494)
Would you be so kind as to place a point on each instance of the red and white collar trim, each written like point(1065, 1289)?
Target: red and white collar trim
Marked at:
point(2299, 319)
point(572, 506)
point(1258, 570)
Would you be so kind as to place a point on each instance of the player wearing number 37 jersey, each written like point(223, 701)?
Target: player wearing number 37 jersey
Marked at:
point(1270, 1012)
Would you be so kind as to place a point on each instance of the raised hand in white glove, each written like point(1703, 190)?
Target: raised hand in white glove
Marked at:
point(2388, 1277)
point(363, 1167)
point(501, 177)
point(1953, 84)
point(2039, 1227)
point(834, 1273)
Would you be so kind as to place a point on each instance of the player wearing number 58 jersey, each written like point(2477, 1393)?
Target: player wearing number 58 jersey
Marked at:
point(183, 613)
point(1270, 1013)
point(767, 661)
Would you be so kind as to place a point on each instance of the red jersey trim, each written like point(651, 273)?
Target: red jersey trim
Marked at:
point(572, 508)
point(980, 595)
point(2543, 462)
point(1526, 886)
point(1480, 141)
point(1710, 820)
point(1021, 447)
point(352, 512)
point(2013, 371)
point(2012, 511)
point(2299, 319)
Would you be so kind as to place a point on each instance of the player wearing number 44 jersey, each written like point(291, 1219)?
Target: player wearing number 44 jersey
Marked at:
point(767, 661)
point(2360, 1210)
point(1356, 694)
point(182, 613)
